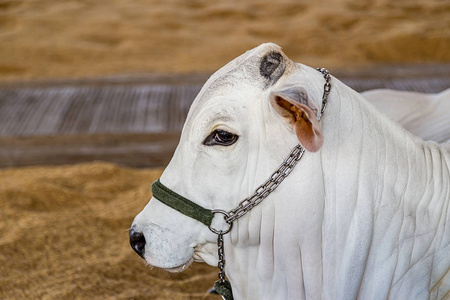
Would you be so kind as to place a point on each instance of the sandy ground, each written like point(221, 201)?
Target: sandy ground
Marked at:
point(85, 38)
point(63, 235)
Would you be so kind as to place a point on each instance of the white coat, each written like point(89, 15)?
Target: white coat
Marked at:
point(364, 215)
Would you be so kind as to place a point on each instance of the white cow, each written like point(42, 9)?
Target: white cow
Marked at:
point(424, 115)
point(365, 214)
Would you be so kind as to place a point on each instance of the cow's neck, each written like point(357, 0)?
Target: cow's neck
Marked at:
point(260, 264)
point(264, 247)
point(382, 188)
point(386, 205)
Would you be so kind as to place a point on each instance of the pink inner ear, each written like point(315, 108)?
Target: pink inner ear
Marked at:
point(304, 121)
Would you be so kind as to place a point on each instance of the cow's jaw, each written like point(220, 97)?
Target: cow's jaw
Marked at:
point(206, 253)
point(180, 268)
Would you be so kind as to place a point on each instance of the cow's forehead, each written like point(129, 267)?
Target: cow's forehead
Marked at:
point(247, 67)
point(254, 70)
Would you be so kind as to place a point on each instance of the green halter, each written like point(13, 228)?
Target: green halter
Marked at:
point(181, 204)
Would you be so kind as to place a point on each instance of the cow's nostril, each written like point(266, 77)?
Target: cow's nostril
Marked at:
point(137, 242)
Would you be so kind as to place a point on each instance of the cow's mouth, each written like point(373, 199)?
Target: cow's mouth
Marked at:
point(180, 268)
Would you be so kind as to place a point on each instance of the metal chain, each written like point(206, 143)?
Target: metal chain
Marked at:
point(268, 187)
point(283, 170)
point(265, 189)
point(221, 264)
point(326, 89)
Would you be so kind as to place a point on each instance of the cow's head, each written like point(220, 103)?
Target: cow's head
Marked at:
point(243, 123)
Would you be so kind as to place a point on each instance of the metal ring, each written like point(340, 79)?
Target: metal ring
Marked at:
point(225, 214)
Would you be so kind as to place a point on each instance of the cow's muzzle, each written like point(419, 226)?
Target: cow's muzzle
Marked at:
point(137, 242)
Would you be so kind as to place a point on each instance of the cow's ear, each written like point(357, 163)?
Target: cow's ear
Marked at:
point(300, 113)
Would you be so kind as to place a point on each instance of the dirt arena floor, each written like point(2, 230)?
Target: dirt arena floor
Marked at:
point(63, 230)
point(64, 235)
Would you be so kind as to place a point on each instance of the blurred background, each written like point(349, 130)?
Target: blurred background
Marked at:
point(93, 95)
point(50, 39)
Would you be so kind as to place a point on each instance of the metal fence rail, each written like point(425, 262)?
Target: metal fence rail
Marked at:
point(89, 110)
point(126, 108)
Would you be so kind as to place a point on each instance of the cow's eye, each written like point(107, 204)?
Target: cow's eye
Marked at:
point(220, 137)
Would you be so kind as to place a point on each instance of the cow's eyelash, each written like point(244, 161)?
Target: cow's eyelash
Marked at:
point(221, 138)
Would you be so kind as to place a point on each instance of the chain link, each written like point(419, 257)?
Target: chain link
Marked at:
point(221, 264)
point(283, 170)
point(326, 89)
point(268, 187)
